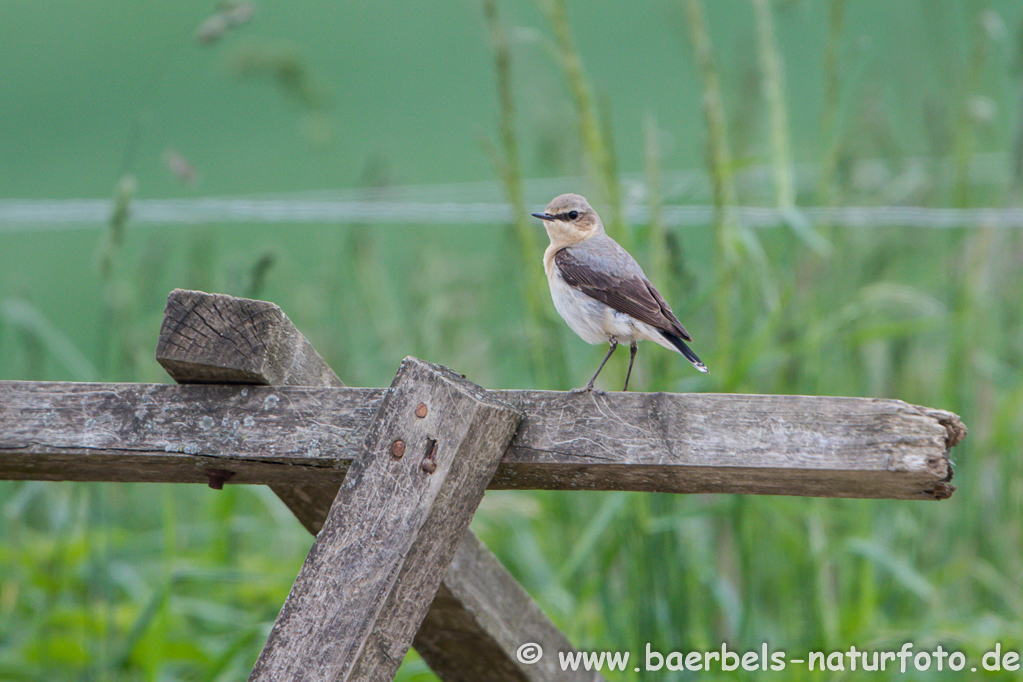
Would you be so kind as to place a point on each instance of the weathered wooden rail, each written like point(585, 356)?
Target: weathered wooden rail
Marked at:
point(685, 443)
point(404, 468)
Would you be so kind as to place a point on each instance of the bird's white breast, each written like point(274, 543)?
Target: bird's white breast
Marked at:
point(583, 314)
point(593, 321)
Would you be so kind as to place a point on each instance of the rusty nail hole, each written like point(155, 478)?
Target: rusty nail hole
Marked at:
point(429, 463)
point(421, 410)
point(398, 448)
point(218, 477)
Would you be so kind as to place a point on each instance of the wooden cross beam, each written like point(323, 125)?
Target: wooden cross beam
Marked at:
point(300, 436)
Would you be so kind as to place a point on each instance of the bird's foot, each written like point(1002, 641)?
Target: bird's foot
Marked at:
point(587, 389)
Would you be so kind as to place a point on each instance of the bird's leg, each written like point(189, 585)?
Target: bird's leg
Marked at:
point(632, 358)
point(589, 387)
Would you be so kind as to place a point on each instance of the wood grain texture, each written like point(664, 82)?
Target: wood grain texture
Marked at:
point(220, 339)
point(479, 619)
point(762, 444)
point(166, 433)
point(690, 443)
point(392, 531)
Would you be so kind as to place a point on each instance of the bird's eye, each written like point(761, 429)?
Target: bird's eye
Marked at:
point(572, 215)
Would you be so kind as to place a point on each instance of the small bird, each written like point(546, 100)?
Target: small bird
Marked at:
point(600, 290)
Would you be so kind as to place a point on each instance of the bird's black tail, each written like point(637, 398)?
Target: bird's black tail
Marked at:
point(686, 351)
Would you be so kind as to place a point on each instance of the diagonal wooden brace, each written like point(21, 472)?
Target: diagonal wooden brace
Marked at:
point(394, 527)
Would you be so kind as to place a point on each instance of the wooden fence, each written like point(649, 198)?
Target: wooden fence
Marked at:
point(388, 479)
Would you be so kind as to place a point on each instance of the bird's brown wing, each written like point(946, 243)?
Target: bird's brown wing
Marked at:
point(632, 295)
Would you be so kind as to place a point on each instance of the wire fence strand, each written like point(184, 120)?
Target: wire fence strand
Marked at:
point(686, 195)
point(37, 216)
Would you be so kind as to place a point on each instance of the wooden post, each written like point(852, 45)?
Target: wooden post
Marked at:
point(400, 515)
point(223, 339)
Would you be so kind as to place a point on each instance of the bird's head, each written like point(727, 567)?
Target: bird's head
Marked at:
point(569, 219)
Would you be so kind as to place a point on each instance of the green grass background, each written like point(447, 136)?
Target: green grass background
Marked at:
point(165, 582)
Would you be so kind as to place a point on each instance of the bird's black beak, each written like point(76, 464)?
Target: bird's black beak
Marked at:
point(543, 216)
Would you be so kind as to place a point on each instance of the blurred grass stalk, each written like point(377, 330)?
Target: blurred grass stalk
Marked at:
point(654, 171)
point(772, 83)
point(40, 332)
point(974, 245)
point(829, 138)
point(774, 91)
point(965, 134)
point(657, 238)
point(721, 172)
point(112, 336)
point(813, 270)
point(719, 154)
point(534, 284)
point(594, 135)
